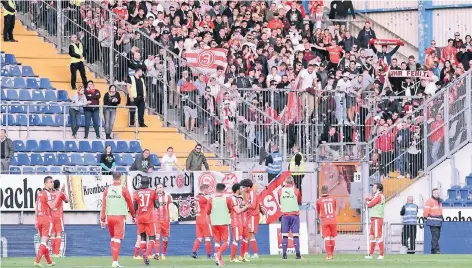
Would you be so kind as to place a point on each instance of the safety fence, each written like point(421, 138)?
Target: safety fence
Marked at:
point(405, 238)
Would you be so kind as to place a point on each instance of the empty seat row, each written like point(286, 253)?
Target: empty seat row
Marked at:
point(52, 170)
point(7, 59)
point(46, 120)
point(460, 193)
point(17, 71)
point(75, 159)
point(457, 203)
point(96, 146)
point(34, 95)
point(41, 108)
point(26, 83)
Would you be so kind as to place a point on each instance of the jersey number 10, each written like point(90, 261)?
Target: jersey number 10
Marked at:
point(328, 207)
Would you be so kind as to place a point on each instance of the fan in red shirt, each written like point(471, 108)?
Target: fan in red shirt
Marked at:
point(44, 204)
point(253, 215)
point(334, 53)
point(326, 209)
point(202, 225)
point(162, 219)
point(145, 200)
point(57, 219)
point(120, 10)
point(238, 224)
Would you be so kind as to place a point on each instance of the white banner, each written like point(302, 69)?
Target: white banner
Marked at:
point(275, 237)
point(86, 191)
point(174, 182)
point(260, 179)
point(405, 73)
point(211, 178)
point(18, 192)
point(450, 214)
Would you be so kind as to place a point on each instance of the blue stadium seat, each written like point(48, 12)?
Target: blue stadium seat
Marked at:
point(453, 194)
point(118, 160)
point(3, 95)
point(4, 71)
point(10, 120)
point(97, 147)
point(32, 145)
point(45, 146)
point(468, 203)
point(82, 170)
point(22, 159)
point(62, 95)
point(90, 160)
point(30, 108)
point(464, 194)
point(25, 95)
point(76, 159)
point(28, 171)
point(19, 83)
point(58, 146)
point(122, 170)
point(63, 159)
point(28, 71)
point(71, 146)
point(10, 59)
point(459, 203)
point(44, 83)
point(84, 146)
point(112, 144)
point(21, 120)
point(17, 108)
point(7, 82)
point(42, 170)
point(48, 121)
point(35, 120)
point(37, 95)
point(122, 147)
point(155, 160)
point(15, 170)
point(36, 160)
point(95, 170)
point(468, 180)
point(19, 146)
point(32, 83)
point(50, 159)
point(12, 95)
point(127, 159)
point(50, 95)
point(14, 161)
point(135, 147)
point(15, 70)
point(59, 122)
point(55, 109)
point(68, 170)
point(54, 170)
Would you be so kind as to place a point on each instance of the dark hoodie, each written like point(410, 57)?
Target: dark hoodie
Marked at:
point(364, 37)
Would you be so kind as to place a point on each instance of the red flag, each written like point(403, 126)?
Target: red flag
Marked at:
point(206, 60)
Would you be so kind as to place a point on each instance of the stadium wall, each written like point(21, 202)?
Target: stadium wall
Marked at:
point(91, 240)
point(456, 238)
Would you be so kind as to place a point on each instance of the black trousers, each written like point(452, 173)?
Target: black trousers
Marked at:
point(409, 232)
point(73, 74)
point(9, 25)
point(141, 105)
point(298, 181)
point(435, 235)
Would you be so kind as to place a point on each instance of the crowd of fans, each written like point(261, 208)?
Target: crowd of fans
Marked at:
point(304, 69)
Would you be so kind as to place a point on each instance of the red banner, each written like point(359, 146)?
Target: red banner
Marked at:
point(269, 198)
point(386, 42)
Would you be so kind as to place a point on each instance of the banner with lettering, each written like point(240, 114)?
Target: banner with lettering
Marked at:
point(269, 198)
point(211, 178)
point(405, 73)
point(86, 191)
point(18, 192)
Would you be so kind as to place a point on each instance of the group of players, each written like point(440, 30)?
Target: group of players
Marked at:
point(215, 214)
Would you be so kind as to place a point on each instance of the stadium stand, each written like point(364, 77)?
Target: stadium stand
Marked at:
point(460, 196)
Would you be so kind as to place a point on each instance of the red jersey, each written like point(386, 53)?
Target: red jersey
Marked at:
point(162, 213)
point(121, 12)
point(145, 199)
point(334, 53)
point(202, 217)
point(43, 212)
point(237, 219)
point(253, 200)
point(58, 211)
point(326, 208)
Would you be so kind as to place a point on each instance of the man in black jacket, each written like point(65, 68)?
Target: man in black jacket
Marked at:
point(340, 9)
point(295, 16)
point(9, 9)
point(76, 53)
point(365, 35)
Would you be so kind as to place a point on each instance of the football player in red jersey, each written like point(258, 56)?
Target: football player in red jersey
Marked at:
point(253, 215)
point(44, 204)
point(145, 200)
point(326, 209)
point(162, 219)
point(203, 226)
point(237, 222)
point(57, 219)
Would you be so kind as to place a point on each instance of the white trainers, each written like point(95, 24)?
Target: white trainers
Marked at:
point(255, 256)
point(368, 257)
point(380, 257)
point(115, 264)
point(37, 264)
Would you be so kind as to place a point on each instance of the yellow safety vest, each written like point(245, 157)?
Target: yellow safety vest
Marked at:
point(78, 50)
point(134, 92)
point(12, 4)
point(297, 170)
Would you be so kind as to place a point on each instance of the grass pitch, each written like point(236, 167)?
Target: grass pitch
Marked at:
point(318, 261)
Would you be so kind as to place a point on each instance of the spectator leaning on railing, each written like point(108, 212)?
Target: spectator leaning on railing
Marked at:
point(7, 151)
point(78, 101)
point(92, 113)
point(113, 99)
point(196, 159)
point(142, 163)
point(107, 161)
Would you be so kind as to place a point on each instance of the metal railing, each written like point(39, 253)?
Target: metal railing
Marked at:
point(405, 238)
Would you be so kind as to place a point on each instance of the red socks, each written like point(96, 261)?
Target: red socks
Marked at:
point(58, 245)
point(333, 243)
point(244, 247)
point(254, 246)
point(144, 249)
point(136, 251)
point(115, 250)
point(53, 245)
point(157, 246)
point(150, 247)
point(223, 248)
point(234, 249)
point(164, 247)
point(43, 251)
point(372, 248)
point(328, 247)
point(208, 247)
point(381, 247)
point(196, 244)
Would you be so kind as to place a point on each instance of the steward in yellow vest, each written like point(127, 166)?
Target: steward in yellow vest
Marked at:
point(9, 9)
point(76, 53)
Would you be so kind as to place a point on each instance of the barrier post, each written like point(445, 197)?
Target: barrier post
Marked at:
point(165, 89)
point(59, 26)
